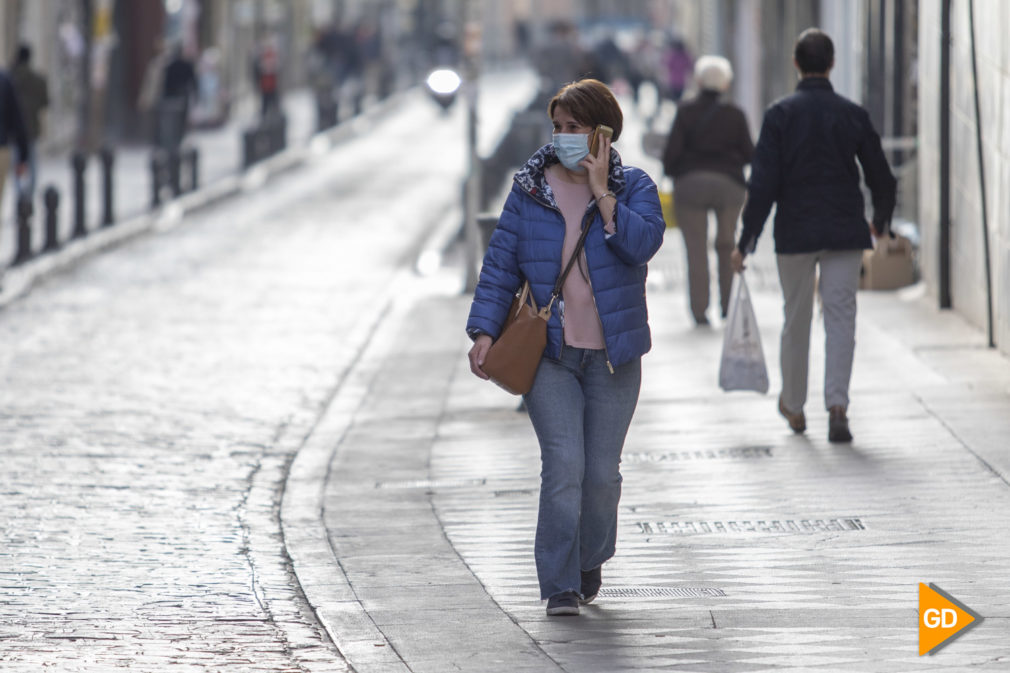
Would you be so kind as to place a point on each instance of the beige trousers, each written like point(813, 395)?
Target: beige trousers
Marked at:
point(695, 195)
point(839, 281)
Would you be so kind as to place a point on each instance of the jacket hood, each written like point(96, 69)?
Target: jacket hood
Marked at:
point(532, 179)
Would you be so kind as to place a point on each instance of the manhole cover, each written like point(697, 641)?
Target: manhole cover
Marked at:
point(660, 592)
point(785, 526)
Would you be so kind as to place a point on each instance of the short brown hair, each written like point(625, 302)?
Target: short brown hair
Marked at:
point(591, 102)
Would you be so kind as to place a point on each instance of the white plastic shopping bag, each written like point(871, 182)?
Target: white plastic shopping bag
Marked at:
point(743, 361)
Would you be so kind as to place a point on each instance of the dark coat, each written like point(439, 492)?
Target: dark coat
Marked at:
point(805, 164)
point(12, 122)
point(33, 93)
point(708, 135)
point(527, 244)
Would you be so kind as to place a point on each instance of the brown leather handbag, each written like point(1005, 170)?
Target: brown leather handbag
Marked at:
point(513, 359)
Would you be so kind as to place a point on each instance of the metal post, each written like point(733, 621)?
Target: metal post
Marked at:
point(250, 138)
point(174, 169)
point(51, 199)
point(157, 173)
point(24, 219)
point(471, 50)
point(193, 158)
point(79, 162)
point(944, 261)
point(108, 158)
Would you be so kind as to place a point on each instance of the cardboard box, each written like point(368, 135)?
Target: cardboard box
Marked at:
point(888, 266)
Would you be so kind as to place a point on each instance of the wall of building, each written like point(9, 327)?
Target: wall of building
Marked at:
point(967, 249)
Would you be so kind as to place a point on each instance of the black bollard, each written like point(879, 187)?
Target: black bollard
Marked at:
point(193, 160)
point(249, 142)
point(157, 176)
point(326, 110)
point(51, 199)
point(24, 215)
point(174, 170)
point(79, 162)
point(108, 158)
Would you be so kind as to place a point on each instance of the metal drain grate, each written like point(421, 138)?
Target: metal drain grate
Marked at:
point(706, 454)
point(660, 592)
point(431, 483)
point(786, 526)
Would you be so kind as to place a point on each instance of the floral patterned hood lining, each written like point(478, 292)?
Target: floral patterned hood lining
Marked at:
point(531, 178)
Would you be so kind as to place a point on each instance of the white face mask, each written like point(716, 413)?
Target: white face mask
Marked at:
point(571, 148)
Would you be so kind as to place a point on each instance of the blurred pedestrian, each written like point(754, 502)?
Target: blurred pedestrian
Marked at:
point(678, 65)
point(706, 151)
point(151, 86)
point(805, 164)
point(179, 89)
point(13, 130)
point(560, 60)
point(33, 94)
point(586, 388)
point(266, 74)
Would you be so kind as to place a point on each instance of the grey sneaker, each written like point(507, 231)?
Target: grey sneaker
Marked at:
point(566, 603)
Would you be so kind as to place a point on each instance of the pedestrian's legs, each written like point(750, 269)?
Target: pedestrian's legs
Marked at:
point(839, 283)
point(692, 220)
point(5, 166)
point(556, 406)
point(610, 404)
point(726, 217)
point(796, 275)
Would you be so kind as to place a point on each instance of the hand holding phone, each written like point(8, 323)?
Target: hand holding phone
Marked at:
point(594, 141)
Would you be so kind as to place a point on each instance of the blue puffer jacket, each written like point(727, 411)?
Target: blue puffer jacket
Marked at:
point(527, 244)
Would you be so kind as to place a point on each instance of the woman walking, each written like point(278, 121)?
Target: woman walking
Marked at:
point(706, 151)
point(586, 388)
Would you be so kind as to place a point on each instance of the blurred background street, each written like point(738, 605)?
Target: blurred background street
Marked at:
point(237, 424)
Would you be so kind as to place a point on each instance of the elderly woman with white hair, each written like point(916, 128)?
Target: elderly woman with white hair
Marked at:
point(705, 154)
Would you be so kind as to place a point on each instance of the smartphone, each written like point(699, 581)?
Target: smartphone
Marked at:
point(594, 143)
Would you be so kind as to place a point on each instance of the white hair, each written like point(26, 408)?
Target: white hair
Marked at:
point(713, 73)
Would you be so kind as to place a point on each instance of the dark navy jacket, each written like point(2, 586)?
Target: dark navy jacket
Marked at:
point(805, 164)
point(527, 244)
point(12, 123)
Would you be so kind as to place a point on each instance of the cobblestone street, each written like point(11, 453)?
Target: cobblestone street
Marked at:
point(152, 400)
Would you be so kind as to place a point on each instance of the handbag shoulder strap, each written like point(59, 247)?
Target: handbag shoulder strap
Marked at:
point(556, 292)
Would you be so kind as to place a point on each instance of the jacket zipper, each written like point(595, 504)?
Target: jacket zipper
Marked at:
point(561, 353)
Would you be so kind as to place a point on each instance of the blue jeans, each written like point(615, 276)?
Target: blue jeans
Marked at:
point(581, 413)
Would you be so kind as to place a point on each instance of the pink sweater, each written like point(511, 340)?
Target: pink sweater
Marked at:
point(579, 316)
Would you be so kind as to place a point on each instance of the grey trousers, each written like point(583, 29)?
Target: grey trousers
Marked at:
point(695, 194)
point(839, 281)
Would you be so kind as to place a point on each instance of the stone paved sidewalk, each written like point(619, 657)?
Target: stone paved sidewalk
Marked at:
point(742, 547)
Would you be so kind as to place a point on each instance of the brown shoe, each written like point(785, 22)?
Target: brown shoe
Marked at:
point(838, 425)
point(797, 422)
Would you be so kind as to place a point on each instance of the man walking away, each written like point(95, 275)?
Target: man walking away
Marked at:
point(33, 94)
point(805, 163)
point(179, 88)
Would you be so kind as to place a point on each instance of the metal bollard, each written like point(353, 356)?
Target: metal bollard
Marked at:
point(193, 160)
point(174, 171)
point(326, 110)
point(157, 176)
point(108, 158)
point(51, 199)
point(24, 216)
point(79, 162)
point(249, 143)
